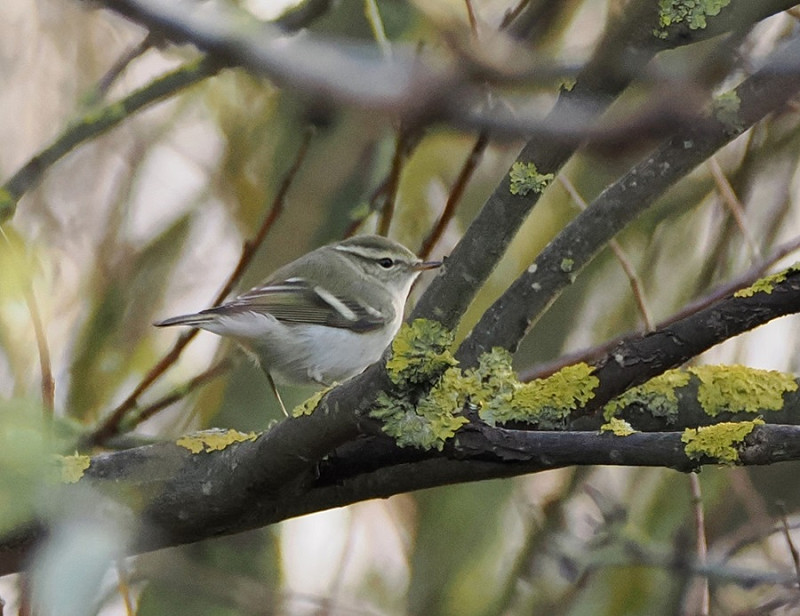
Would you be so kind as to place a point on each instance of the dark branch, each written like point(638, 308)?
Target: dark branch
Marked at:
point(638, 360)
point(252, 484)
point(512, 315)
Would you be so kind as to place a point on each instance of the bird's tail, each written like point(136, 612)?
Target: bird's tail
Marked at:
point(192, 320)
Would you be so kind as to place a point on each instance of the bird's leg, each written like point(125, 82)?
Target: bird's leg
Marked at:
point(275, 391)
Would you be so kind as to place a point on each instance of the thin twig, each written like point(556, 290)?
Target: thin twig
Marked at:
point(393, 182)
point(620, 254)
point(376, 24)
point(45, 366)
point(97, 122)
point(179, 393)
point(48, 384)
point(750, 498)
point(249, 249)
point(25, 598)
point(111, 423)
point(330, 602)
point(701, 544)
point(453, 199)
point(513, 13)
point(151, 40)
point(788, 536)
point(735, 206)
point(588, 355)
point(473, 21)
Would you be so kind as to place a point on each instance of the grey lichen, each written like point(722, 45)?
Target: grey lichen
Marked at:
point(525, 178)
point(693, 13)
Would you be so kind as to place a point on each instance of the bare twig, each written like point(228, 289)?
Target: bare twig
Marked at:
point(593, 353)
point(99, 121)
point(123, 586)
point(328, 606)
point(750, 498)
point(473, 21)
point(701, 546)
point(302, 14)
point(110, 425)
point(151, 40)
point(45, 366)
point(733, 204)
point(619, 252)
point(177, 394)
point(512, 13)
point(48, 384)
point(389, 192)
point(454, 198)
point(376, 24)
point(790, 542)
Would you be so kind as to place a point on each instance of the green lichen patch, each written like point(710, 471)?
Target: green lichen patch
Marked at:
point(717, 442)
point(726, 110)
point(766, 284)
point(691, 12)
point(436, 415)
point(425, 426)
point(656, 395)
point(493, 382)
point(618, 427)
point(737, 389)
point(567, 264)
point(427, 420)
point(546, 403)
point(73, 467)
point(214, 440)
point(525, 178)
point(420, 353)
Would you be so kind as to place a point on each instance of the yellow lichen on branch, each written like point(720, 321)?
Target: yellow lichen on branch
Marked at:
point(737, 389)
point(213, 440)
point(73, 467)
point(427, 418)
point(617, 427)
point(658, 396)
point(766, 284)
point(719, 441)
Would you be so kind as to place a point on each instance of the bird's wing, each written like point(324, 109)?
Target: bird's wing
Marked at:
point(296, 300)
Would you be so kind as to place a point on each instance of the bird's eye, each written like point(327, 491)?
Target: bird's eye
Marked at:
point(385, 263)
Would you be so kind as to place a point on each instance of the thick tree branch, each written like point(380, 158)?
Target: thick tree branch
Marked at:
point(636, 361)
point(252, 484)
point(597, 353)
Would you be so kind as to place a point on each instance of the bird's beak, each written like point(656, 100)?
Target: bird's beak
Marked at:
point(427, 265)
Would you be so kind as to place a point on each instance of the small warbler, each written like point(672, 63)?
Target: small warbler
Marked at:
point(324, 317)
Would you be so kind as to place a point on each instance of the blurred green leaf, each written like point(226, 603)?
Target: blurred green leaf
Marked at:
point(25, 460)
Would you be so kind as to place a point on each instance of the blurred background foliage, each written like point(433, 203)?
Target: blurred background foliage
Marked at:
point(148, 221)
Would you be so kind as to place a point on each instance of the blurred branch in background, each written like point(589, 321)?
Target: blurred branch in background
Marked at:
point(461, 114)
point(95, 123)
point(455, 194)
point(104, 84)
